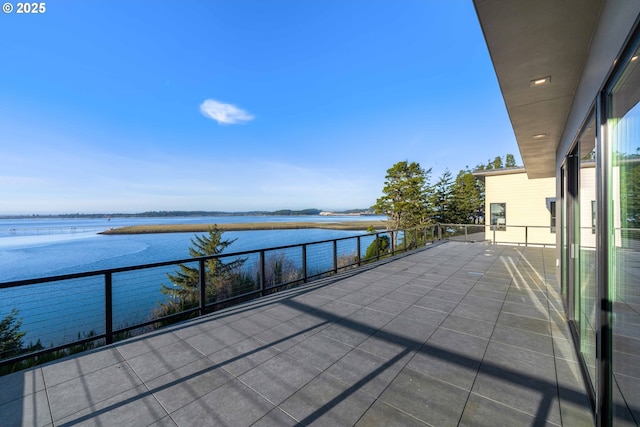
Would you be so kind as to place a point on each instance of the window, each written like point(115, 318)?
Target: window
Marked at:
point(498, 212)
point(552, 211)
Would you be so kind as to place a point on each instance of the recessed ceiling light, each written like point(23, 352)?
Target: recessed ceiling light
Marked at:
point(539, 135)
point(540, 82)
point(634, 58)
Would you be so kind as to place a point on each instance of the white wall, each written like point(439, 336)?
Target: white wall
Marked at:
point(526, 205)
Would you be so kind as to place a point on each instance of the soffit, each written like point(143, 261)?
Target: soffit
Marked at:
point(529, 40)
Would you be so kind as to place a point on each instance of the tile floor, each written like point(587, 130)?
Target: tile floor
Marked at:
point(464, 334)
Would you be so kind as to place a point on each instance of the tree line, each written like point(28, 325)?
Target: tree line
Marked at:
point(409, 198)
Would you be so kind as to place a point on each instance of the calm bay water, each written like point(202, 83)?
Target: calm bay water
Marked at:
point(36, 248)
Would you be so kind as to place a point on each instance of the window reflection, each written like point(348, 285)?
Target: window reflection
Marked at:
point(623, 117)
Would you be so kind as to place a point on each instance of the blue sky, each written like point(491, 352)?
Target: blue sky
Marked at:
point(234, 105)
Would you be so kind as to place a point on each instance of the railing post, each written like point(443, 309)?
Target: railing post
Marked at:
point(494, 235)
point(526, 235)
point(304, 263)
point(108, 308)
point(202, 288)
point(465, 233)
point(262, 272)
point(439, 231)
point(393, 243)
point(335, 257)
point(377, 246)
point(359, 252)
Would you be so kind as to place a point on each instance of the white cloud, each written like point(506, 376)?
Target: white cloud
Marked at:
point(224, 113)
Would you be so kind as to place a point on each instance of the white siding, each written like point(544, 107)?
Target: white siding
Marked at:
point(527, 214)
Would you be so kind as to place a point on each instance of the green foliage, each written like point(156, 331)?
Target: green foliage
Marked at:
point(383, 242)
point(220, 277)
point(10, 335)
point(405, 196)
point(279, 269)
point(441, 199)
point(467, 196)
point(629, 167)
point(11, 343)
point(498, 163)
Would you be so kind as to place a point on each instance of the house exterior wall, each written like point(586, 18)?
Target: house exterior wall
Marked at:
point(527, 209)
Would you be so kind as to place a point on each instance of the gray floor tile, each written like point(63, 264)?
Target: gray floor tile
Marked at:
point(403, 297)
point(521, 379)
point(279, 377)
point(425, 398)
point(369, 373)
point(276, 418)
point(319, 351)
point(476, 313)
point(389, 306)
point(468, 326)
point(445, 366)
point(349, 333)
point(533, 364)
point(455, 297)
point(75, 367)
point(325, 401)
point(209, 342)
point(478, 301)
point(28, 410)
point(381, 414)
point(511, 320)
point(86, 392)
point(424, 315)
point(243, 356)
point(188, 383)
point(284, 336)
point(436, 304)
point(162, 360)
point(335, 310)
point(407, 332)
point(481, 412)
point(143, 344)
point(23, 383)
point(164, 422)
point(233, 404)
point(536, 311)
point(525, 339)
point(134, 407)
point(254, 324)
point(381, 345)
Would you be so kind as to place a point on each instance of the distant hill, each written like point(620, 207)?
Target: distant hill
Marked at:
point(163, 214)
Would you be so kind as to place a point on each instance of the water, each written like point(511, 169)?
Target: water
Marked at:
point(57, 312)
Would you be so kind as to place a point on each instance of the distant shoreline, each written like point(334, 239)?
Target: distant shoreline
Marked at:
point(249, 226)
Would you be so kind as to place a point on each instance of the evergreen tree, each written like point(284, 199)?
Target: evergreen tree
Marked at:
point(441, 199)
point(497, 163)
point(510, 161)
point(10, 335)
point(380, 246)
point(467, 198)
point(405, 196)
point(219, 276)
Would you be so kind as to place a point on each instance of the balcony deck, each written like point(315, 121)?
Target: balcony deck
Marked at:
point(456, 334)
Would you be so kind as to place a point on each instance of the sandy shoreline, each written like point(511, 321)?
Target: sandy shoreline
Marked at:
point(198, 228)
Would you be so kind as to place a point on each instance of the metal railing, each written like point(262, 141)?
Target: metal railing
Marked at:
point(74, 312)
point(519, 235)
